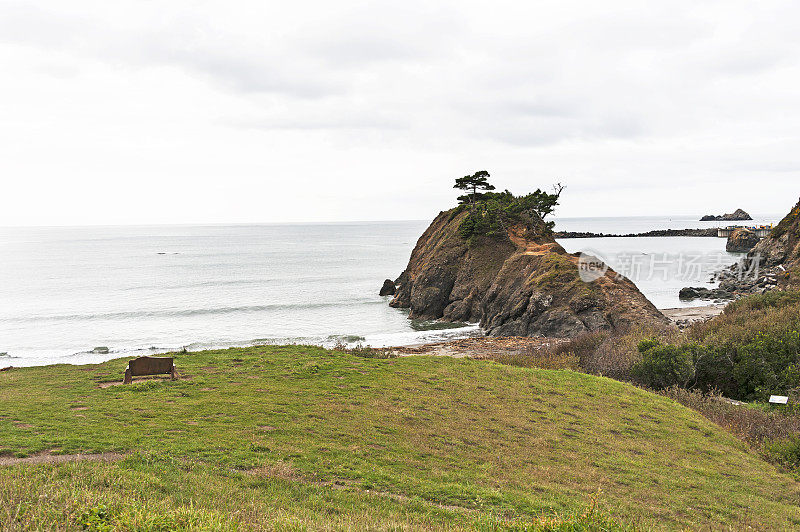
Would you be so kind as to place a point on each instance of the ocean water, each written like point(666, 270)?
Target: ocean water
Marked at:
point(150, 289)
point(659, 266)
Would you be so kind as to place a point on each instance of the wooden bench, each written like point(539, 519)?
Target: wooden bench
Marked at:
point(150, 366)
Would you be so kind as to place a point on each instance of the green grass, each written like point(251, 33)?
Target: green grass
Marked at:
point(301, 438)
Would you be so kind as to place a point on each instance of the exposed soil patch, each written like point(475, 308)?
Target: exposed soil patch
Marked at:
point(145, 379)
point(47, 457)
point(280, 469)
point(480, 347)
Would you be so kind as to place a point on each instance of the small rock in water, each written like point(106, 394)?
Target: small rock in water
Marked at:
point(388, 288)
point(100, 350)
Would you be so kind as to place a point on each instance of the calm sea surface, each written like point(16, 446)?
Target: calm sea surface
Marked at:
point(139, 290)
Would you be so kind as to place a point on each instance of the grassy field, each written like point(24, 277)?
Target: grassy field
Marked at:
point(302, 438)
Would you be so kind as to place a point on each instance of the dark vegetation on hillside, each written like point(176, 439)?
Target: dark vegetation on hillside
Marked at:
point(749, 352)
point(492, 213)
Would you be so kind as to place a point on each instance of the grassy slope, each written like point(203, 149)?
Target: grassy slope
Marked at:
point(294, 437)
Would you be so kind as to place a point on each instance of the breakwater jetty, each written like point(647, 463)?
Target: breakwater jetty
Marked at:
point(761, 231)
point(712, 231)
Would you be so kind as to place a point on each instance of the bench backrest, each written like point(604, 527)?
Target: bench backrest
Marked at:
point(150, 365)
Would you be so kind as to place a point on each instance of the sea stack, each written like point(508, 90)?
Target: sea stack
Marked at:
point(735, 216)
point(518, 282)
point(388, 288)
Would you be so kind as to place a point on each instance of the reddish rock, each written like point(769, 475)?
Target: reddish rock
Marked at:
point(519, 284)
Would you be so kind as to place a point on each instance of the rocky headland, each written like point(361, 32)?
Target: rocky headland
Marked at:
point(517, 282)
point(735, 216)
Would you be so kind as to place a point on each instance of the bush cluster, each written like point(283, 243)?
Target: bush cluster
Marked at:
point(754, 370)
point(749, 352)
point(492, 212)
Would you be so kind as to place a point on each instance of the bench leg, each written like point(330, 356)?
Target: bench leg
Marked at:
point(128, 379)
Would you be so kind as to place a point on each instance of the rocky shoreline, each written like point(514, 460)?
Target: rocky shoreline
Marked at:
point(772, 264)
point(738, 280)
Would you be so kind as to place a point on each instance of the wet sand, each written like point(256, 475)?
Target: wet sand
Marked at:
point(685, 316)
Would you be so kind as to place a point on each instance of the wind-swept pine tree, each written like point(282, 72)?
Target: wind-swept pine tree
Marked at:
point(477, 181)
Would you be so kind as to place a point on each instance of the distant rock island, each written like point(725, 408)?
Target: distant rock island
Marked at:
point(735, 216)
point(512, 277)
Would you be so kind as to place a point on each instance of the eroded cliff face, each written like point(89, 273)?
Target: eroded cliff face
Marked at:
point(523, 285)
point(779, 252)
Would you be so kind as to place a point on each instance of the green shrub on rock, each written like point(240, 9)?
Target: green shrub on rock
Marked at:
point(491, 213)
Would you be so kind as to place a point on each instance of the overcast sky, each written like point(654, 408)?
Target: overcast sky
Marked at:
point(118, 112)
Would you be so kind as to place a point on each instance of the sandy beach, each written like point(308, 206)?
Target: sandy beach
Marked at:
point(685, 316)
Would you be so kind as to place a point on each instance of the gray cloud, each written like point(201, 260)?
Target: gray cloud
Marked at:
point(682, 92)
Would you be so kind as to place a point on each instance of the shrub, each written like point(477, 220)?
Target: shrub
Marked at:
point(613, 355)
point(493, 212)
point(750, 351)
point(768, 364)
point(96, 519)
point(749, 423)
point(783, 452)
point(744, 319)
point(664, 365)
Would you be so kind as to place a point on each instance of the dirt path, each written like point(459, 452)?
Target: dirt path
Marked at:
point(479, 347)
